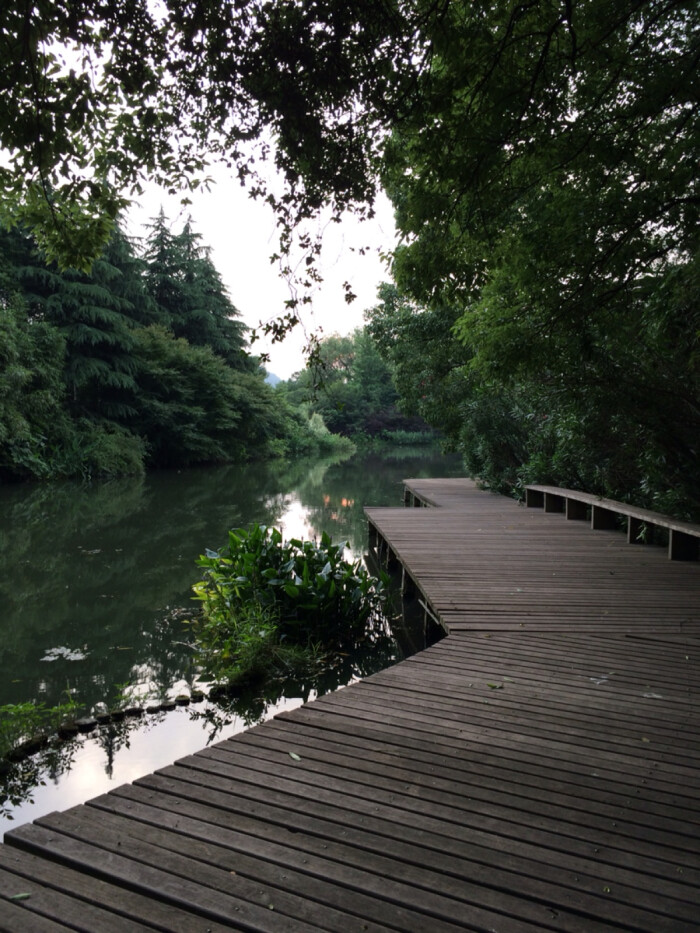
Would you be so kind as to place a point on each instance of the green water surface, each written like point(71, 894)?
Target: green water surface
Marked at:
point(95, 585)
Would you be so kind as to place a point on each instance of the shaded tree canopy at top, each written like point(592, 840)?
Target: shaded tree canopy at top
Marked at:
point(97, 96)
point(472, 113)
point(541, 157)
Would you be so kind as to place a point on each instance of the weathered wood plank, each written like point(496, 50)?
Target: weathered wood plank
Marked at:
point(535, 771)
point(377, 828)
point(19, 918)
point(474, 884)
point(440, 874)
point(82, 851)
point(81, 915)
point(130, 906)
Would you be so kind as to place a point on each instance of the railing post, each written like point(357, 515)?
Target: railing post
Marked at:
point(408, 587)
point(372, 536)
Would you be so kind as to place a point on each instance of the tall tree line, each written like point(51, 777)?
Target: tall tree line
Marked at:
point(541, 157)
point(141, 362)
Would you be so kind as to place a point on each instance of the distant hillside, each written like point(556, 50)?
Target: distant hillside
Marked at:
point(272, 379)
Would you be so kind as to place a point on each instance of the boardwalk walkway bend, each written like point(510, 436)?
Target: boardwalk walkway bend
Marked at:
point(536, 770)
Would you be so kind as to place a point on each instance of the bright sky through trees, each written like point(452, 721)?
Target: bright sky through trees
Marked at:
point(242, 235)
point(541, 159)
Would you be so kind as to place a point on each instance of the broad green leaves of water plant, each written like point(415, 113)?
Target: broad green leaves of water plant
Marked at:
point(308, 584)
point(274, 604)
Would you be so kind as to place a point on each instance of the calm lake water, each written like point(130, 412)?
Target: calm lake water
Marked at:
point(95, 582)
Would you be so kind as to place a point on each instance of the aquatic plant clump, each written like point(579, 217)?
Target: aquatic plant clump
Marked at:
point(270, 606)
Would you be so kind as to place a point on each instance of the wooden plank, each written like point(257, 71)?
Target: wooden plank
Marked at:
point(461, 780)
point(535, 771)
point(487, 765)
point(489, 808)
point(475, 881)
point(213, 881)
point(498, 750)
point(131, 907)
point(70, 841)
point(19, 918)
point(81, 915)
point(410, 863)
point(378, 828)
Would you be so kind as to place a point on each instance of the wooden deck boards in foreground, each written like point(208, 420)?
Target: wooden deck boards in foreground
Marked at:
point(536, 770)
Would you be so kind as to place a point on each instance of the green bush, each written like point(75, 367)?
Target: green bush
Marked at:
point(108, 450)
point(269, 606)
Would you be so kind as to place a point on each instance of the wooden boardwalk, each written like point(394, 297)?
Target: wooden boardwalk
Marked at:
point(537, 770)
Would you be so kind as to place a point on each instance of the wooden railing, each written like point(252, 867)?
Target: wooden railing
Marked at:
point(683, 537)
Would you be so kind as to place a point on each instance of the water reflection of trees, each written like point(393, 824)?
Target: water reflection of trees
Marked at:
point(371, 651)
point(335, 501)
point(107, 568)
point(19, 779)
point(101, 567)
point(98, 567)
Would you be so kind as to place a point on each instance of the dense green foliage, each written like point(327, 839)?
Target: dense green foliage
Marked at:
point(349, 386)
point(514, 431)
point(32, 392)
point(556, 229)
point(21, 722)
point(271, 606)
point(542, 159)
point(140, 362)
point(100, 96)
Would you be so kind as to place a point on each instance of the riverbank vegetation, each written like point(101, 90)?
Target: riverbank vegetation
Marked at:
point(142, 362)
point(351, 388)
point(542, 162)
point(275, 609)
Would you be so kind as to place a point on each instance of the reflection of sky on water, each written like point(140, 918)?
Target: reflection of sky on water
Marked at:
point(157, 744)
point(294, 521)
point(297, 521)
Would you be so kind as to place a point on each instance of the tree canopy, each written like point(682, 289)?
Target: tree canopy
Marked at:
point(99, 96)
point(541, 157)
point(350, 387)
point(547, 191)
point(139, 362)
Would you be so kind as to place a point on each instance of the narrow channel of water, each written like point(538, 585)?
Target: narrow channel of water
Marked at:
point(95, 585)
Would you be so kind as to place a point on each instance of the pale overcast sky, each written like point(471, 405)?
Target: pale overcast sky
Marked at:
point(242, 236)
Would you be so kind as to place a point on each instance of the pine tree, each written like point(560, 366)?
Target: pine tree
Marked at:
point(190, 296)
point(95, 314)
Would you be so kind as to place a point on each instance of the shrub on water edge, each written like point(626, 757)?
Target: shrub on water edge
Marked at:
point(109, 450)
point(245, 648)
point(397, 438)
point(307, 435)
point(269, 605)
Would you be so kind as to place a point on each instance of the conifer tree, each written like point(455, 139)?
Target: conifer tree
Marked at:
point(95, 314)
point(190, 296)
